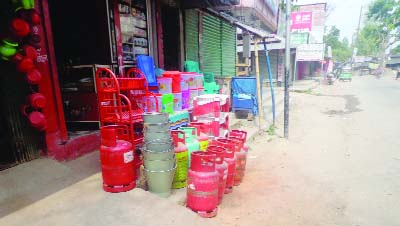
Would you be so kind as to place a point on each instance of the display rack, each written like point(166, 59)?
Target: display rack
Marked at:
point(133, 22)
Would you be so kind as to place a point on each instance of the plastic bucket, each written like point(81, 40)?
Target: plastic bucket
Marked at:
point(155, 117)
point(198, 80)
point(200, 91)
point(158, 145)
point(184, 81)
point(157, 155)
point(165, 85)
point(176, 80)
point(159, 182)
point(167, 102)
point(177, 101)
point(185, 99)
point(161, 135)
point(156, 127)
point(193, 93)
point(159, 165)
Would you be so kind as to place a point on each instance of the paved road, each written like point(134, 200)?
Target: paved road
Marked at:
point(340, 167)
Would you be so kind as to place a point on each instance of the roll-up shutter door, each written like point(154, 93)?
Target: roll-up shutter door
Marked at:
point(192, 35)
point(211, 45)
point(228, 44)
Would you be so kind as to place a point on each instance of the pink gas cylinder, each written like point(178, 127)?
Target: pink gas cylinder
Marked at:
point(202, 189)
point(117, 165)
point(182, 159)
point(201, 134)
point(221, 167)
point(241, 158)
point(230, 159)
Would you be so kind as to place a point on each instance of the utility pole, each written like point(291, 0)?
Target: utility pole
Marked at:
point(287, 71)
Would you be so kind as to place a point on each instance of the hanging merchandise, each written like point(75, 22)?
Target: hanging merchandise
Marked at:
point(33, 76)
point(116, 157)
point(20, 27)
point(7, 49)
point(202, 189)
point(23, 4)
point(37, 100)
point(37, 120)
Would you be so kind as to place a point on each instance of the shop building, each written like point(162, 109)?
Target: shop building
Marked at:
point(76, 38)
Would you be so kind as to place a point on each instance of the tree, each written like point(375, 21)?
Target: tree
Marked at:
point(383, 19)
point(340, 49)
point(369, 40)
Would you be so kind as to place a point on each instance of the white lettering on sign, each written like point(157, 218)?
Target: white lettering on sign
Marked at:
point(42, 58)
point(128, 156)
point(35, 29)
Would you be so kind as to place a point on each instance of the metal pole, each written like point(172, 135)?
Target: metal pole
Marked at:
point(287, 70)
point(258, 84)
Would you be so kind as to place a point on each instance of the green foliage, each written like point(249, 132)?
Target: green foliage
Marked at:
point(369, 40)
point(383, 17)
point(385, 12)
point(340, 48)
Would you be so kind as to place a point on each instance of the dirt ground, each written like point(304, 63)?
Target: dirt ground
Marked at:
point(341, 165)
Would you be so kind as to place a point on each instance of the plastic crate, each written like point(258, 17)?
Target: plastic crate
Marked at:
point(167, 102)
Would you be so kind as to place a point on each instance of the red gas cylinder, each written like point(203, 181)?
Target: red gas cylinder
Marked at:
point(230, 159)
point(221, 167)
point(202, 136)
point(117, 165)
point(241, 158)
point(202, 189)
point(242, 135)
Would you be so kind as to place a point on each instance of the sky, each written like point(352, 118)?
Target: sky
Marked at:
point(344, 14)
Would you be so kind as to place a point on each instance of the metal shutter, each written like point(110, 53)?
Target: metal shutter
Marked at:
point(228, 42)
point(192, 35)
point(211, 45)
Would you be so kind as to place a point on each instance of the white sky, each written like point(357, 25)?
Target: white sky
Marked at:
point(344, 14)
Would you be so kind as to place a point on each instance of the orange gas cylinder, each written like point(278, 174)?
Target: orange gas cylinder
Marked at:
point(182, 159)
point(117, 165)
point(221, 167)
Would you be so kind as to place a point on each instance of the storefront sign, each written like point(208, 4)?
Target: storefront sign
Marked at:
point(299, 38)
point(310, 52)
point(301, 21)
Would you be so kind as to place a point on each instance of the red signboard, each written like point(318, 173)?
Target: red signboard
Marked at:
point(301, 21)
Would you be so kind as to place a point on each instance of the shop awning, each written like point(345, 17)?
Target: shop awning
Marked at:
point(269, 38)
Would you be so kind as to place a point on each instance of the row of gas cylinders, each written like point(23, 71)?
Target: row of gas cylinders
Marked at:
point(214, 172)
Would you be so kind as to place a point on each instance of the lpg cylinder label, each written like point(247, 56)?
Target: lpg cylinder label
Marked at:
point(128, 156)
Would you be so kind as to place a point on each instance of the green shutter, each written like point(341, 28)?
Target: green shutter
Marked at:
point(228, 42)
point(192, 35)
point(211, 45)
